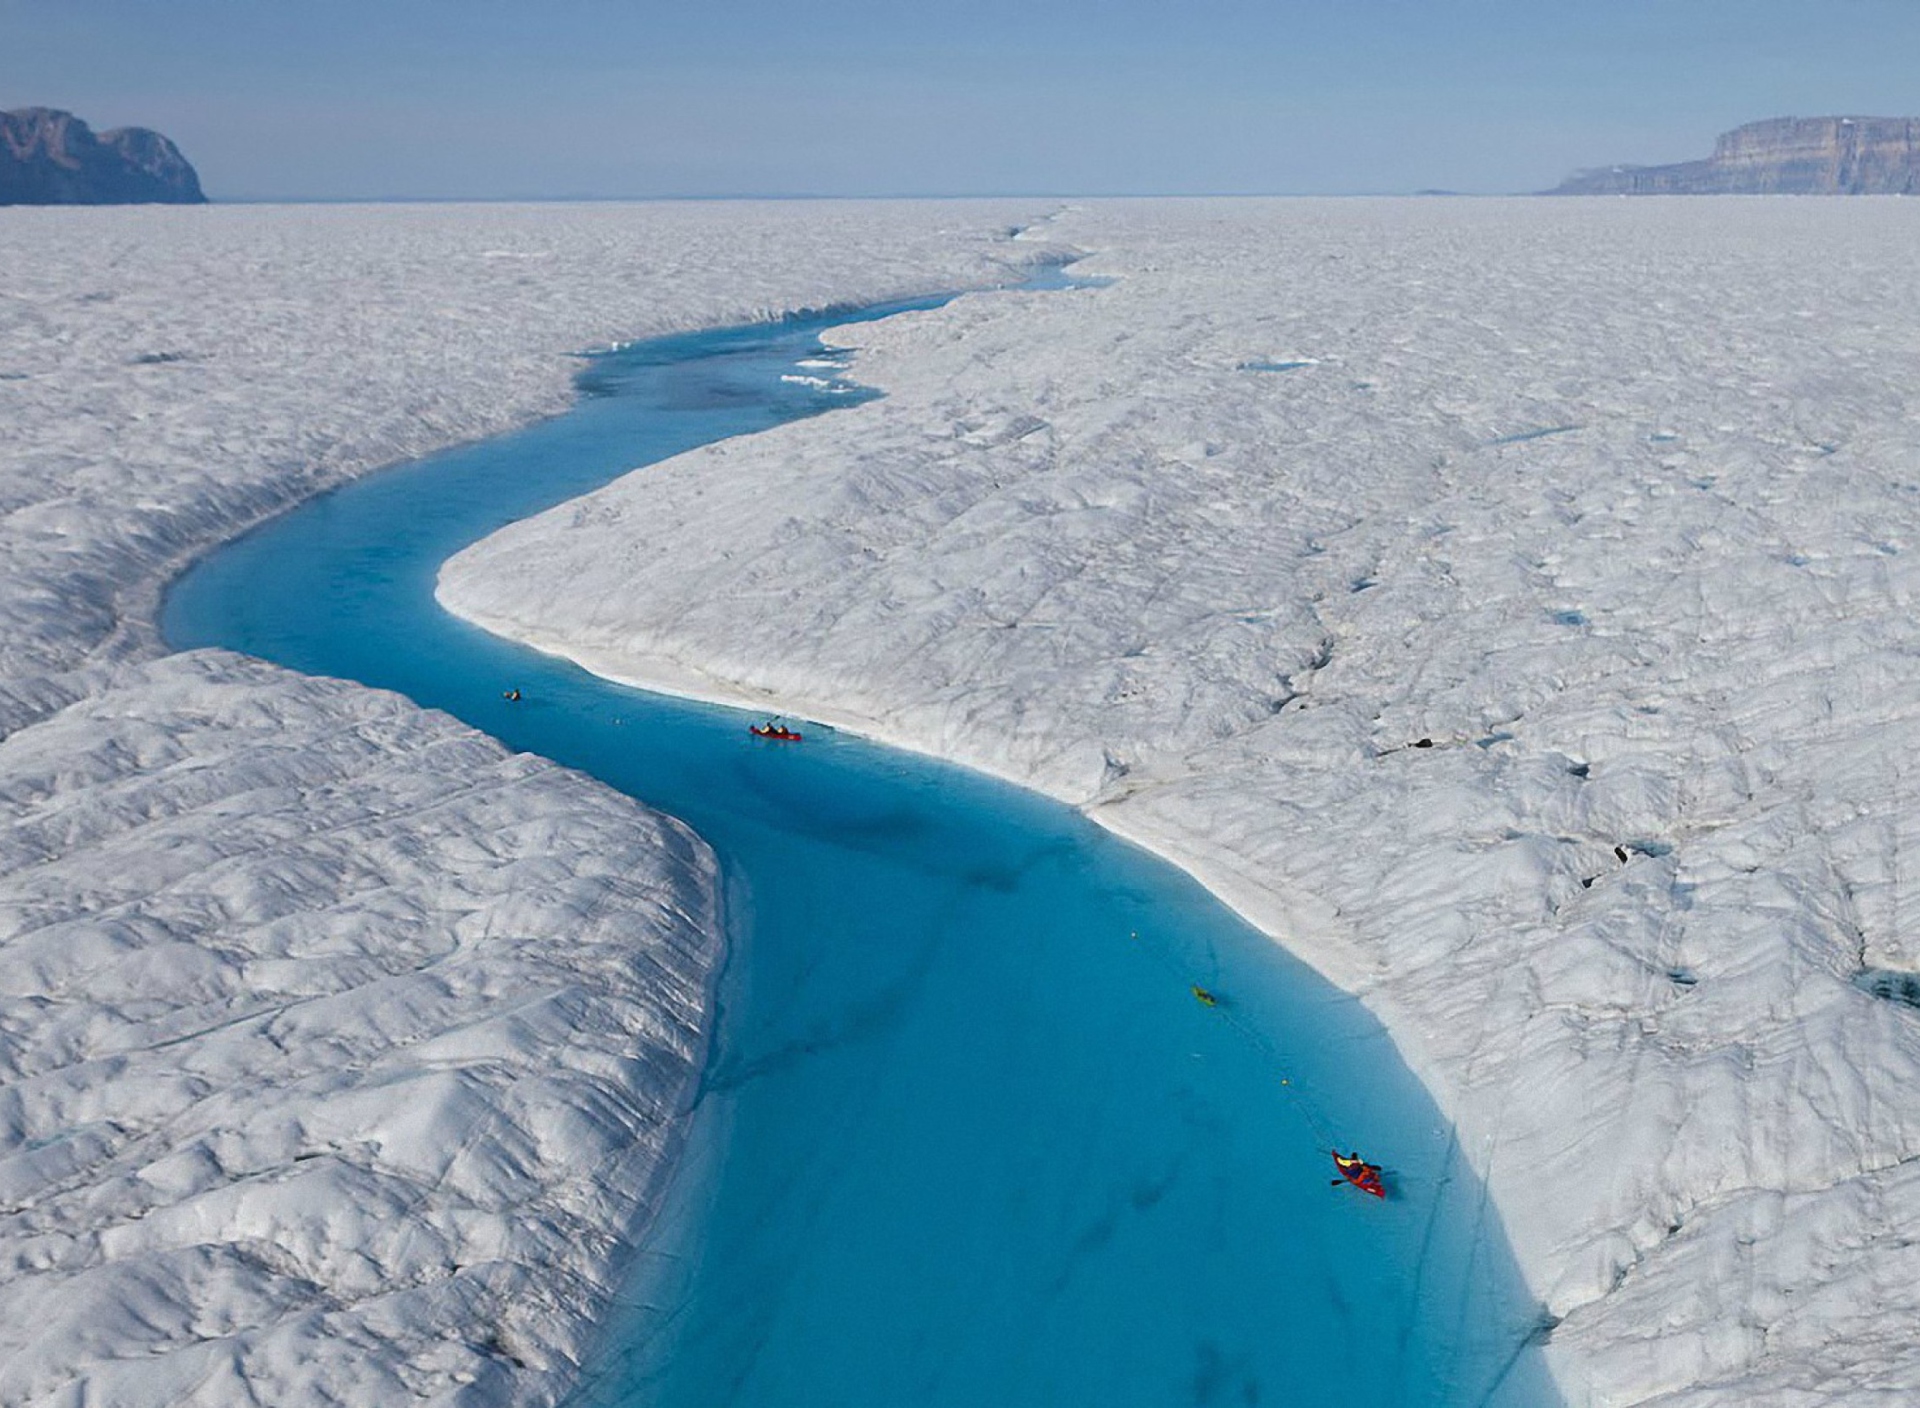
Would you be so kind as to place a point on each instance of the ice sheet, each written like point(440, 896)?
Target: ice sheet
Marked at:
point(338, 1048)
point(342, 1051)
point(1533, 655)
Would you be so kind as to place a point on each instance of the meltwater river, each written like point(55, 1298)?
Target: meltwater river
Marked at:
point(966, 1139)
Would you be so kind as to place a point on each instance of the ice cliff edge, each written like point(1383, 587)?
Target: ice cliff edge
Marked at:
point(1780, 156)
point(49, 157)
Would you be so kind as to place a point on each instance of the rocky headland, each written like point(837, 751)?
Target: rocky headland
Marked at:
point(49, 157)
point(1781, 156)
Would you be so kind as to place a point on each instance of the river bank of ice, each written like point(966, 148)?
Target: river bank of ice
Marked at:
point(339, 1048)
point(1504, 603)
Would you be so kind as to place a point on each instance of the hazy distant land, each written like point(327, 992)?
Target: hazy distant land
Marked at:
point(49, 157)
point(1813, 156)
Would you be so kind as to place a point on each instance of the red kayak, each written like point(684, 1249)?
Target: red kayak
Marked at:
point(777, 731)
point(1361, 1174)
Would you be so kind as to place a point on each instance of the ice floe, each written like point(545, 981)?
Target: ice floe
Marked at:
point(1539, 664)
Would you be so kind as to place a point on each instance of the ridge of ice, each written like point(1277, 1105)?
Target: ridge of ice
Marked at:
point(1584, 757)
point(342, 1049)
point(339, 1049)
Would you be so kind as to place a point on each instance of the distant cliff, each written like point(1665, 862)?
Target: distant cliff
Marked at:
point(1784, 155)
point(49, 157)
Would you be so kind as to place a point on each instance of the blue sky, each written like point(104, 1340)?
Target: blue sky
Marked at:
point(563, 98)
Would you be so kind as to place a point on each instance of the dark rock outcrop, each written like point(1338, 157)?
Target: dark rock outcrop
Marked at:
point(1781, 156)
point(49, 157)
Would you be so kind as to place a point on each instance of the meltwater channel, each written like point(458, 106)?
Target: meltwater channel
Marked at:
point(965, 1137)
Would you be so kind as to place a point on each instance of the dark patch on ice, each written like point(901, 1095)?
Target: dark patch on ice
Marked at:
point(1893, 984)
point(1798, 559)
point(1579, 769)
point(1544, 1323)
point(1569, 618)
point(1521, 436)
point(1421, 743)
point(495, 1347)
point(1662, 438)
point(1496, 737)
point(14, 376)
point(1625, 853)
point(1216, 1380)
point(862, 1021)
point(1009, 877)
point(1266, 366)
point(1361, 584)
point(161, 359)
point(1682, 978)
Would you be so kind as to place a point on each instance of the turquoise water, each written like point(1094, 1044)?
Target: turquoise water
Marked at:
point(966, 1137)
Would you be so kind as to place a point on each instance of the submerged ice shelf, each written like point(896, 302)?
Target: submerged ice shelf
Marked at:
point(966, 1136)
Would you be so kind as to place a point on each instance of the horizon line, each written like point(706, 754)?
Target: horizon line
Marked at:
point(743, 196)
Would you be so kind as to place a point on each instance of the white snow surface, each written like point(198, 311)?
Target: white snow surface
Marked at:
point(1507, 604)
point(340, 1050)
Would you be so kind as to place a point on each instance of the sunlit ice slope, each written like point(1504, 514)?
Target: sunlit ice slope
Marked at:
point(1505, 603)
point(340, 1050)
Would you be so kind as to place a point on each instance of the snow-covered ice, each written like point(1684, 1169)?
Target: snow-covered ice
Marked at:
point(342, 1047)
point(168, 374)
point(1507, 604)
point(338, 1047)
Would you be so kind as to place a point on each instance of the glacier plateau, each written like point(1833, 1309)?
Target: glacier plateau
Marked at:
point(1505, 604)
point(340, 1050)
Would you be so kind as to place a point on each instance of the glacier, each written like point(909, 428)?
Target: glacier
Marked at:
point(341, 1050)
point(1507, 605)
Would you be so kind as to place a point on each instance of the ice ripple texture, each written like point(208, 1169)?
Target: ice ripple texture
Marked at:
point(339, 1048)
point(342, 1046)
point(1535, 656)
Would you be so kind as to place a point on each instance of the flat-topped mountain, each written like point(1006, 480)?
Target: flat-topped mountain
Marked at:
point(49, 157)
point(1782, 155)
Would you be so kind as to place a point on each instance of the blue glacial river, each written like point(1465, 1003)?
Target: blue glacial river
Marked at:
point(966, 1137)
